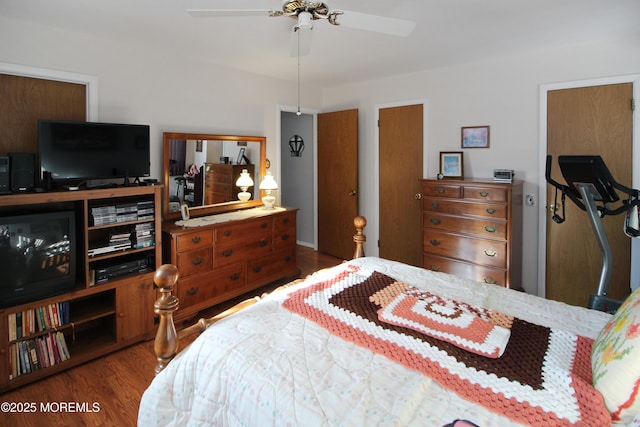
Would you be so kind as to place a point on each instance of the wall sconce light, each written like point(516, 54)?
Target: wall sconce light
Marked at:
point(244, 182)
point(268, 184)
point(296, 144)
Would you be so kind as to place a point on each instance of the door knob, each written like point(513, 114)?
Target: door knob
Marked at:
point(418, 196)
point(352, 193)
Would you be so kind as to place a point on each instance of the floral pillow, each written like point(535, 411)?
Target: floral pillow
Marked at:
point(615, 361)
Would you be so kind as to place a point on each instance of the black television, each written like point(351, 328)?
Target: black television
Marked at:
point(74, 152)
point(37, 256)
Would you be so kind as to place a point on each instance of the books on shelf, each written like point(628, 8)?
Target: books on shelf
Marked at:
point(35, 320)
point(31, 355)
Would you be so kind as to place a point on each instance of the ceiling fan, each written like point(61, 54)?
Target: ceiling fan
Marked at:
point(305, 12)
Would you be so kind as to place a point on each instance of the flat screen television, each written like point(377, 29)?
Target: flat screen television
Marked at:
point(73, 152)
point(37, 256)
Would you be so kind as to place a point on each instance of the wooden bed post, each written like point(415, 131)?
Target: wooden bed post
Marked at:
point(166, 343)
point(359, 238)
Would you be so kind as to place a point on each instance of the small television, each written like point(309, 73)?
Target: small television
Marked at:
point(74, 152)
point(37, 256)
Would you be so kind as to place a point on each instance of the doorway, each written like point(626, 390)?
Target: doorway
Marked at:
point(591, 102)
point(298, 172)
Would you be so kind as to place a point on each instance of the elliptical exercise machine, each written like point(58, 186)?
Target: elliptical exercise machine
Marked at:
point(592, 188)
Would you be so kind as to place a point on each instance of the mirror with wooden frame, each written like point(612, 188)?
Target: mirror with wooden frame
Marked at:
point(200, 170)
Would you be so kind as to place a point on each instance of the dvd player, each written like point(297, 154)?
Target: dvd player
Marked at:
point(117, 270)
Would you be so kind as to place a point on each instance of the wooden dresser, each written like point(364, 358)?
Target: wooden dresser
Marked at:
point(473, 228)
point(223, 260)
point(220, 182)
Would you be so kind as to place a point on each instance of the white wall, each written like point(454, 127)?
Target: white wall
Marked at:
point(170, 94)
point(173, 94)
point(502, 93)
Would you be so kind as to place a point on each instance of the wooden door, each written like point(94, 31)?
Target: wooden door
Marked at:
point(590, 120)
point(400, 164)
point(25, 100)
point(337, 181)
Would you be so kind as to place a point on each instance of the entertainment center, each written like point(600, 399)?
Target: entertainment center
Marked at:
point(97, 302)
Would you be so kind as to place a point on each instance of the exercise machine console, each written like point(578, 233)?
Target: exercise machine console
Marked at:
point(592, 188)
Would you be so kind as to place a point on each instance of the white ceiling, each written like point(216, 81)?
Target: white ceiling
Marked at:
point(447, 32)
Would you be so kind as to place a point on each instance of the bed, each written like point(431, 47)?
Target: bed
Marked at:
point(373, 342)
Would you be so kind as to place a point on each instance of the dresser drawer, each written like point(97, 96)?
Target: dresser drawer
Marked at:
point(478, 251)
point(195, 261)
point(478, 273)
point(260, 270)
point(220, 173)
point(201, 288)
point(485, 193)
point(284, 221)
point(246, 249)
point(244, 230)
point(474, 226)
point(442, 190)
point(459, 207)
point(185, 242)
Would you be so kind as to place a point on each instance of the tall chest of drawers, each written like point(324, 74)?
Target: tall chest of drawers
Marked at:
point(473, 228)
point(220, 182)
point(223, 260)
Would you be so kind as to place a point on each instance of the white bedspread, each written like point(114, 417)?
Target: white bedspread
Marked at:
point(267, 366)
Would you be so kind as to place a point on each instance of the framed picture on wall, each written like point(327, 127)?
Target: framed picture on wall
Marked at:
point(451, 164)
point(475, 137)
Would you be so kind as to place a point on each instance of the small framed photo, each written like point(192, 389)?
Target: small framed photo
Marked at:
point(199, 146)
point(451, 164)
point(240, 156)
point(475, 137)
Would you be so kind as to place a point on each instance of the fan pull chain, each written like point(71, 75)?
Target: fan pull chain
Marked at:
point(298, 112)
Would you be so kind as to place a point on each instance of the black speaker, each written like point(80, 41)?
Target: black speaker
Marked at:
point(4, 175)
point(22, 167)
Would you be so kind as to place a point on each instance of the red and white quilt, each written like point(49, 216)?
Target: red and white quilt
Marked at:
point(542, 376)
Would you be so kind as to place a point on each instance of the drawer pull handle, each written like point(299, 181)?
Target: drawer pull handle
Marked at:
point(191, 292)
point(434, 242)
point(257, 269)
point(263, 225)
point(440, 190)
point(197, 261)
point(491, 211)
point(285, 221)
point(287, 258)
point(490, 252)
point(484, 193)
point(234, 276)
point(433, 267)
point(435, 221)
point(435, 205)
point(263, 243)
point(195, 239)
point(227, 233)
point(490, 228)
point(489, 280)
point(285, 237)
point(227, 252)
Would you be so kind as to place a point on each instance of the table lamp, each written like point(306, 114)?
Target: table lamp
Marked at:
point(244, 182)
point(268, 184)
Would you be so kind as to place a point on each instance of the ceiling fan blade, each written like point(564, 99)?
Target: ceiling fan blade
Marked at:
point(208, 13)
point(378, 24)
point(305, 42)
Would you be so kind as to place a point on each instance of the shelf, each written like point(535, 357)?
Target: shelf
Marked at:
point(105, 316)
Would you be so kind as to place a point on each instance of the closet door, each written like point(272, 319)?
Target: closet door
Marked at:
point(25, 100)
point(587, 120)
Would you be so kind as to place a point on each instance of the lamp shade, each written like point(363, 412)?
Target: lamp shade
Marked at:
point(268, 182)
point(245, 179)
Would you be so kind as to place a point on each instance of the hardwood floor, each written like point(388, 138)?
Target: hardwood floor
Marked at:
point(107, 391)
